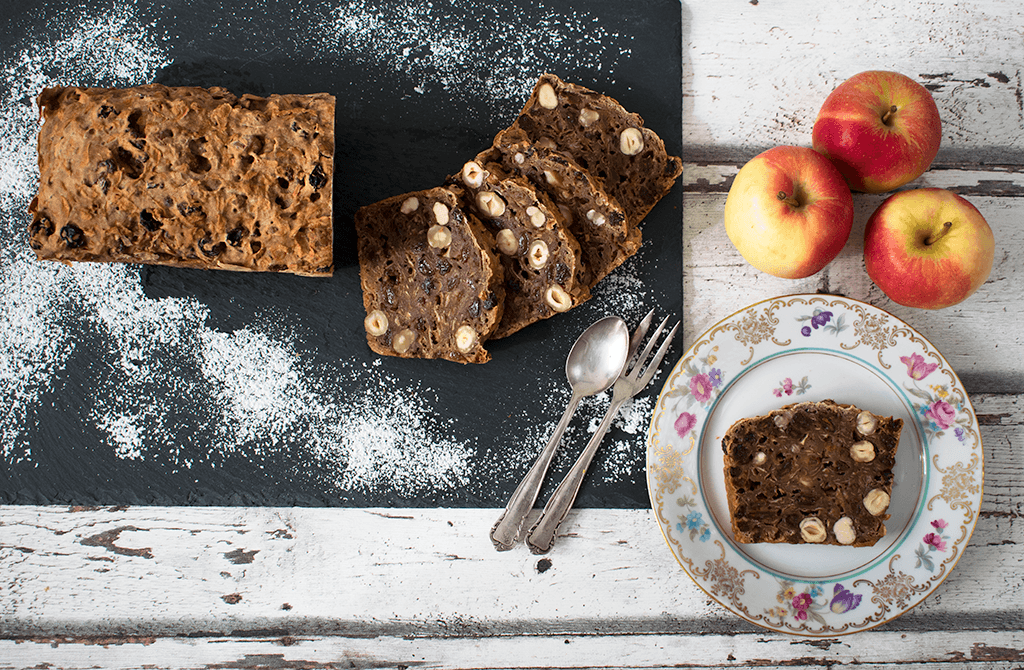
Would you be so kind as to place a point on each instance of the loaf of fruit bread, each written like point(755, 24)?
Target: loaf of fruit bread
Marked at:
point(609, 142)
point(432, 285)
point(186, 177)
point(595, 217)
point(541, 257)
point(811, 472)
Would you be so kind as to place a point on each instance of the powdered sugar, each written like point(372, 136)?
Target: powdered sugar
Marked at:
point(37, 329)
point(494, 56)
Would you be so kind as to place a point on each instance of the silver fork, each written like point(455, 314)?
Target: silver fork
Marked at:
point(630, 382)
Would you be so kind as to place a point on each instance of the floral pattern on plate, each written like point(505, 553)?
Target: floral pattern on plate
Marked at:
point(851, 352)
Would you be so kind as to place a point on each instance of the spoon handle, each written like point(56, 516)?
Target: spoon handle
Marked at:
point(542, 535)
point(505, 532)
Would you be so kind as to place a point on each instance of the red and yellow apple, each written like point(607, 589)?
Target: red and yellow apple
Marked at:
point(928, 248)
point(881, 129)
point(789, 212)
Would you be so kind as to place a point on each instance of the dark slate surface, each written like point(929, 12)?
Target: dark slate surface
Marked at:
point(391, 138)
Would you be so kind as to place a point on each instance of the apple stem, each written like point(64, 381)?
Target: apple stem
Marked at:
point(888, 115)
point(932, 239)
point(788, 199)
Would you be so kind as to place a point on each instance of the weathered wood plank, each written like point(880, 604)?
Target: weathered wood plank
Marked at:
point(718, 281)
point(930, 650)
point(756, 74)
point(151, 571)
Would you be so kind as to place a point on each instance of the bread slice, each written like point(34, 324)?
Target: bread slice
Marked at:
point(811, 472)
point(542, 259)
point(432, 286)
point(187, 177)
point(605, 139)
point(595, 218)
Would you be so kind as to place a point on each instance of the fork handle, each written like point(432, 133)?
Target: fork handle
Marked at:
point(542, 535)
point(505, 532)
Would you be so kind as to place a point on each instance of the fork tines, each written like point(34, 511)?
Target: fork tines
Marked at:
point(636, 361)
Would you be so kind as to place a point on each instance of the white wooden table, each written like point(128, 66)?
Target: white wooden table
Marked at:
point(380, 588)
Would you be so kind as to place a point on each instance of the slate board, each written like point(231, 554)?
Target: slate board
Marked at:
point(402, 124)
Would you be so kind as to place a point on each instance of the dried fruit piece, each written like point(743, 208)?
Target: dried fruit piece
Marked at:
point(148, 221)
point(72, 236)
point(317, 178)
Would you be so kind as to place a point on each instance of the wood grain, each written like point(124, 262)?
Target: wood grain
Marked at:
point(756, 73)
point(988, 649)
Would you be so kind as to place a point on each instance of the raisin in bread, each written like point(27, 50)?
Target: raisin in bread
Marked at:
point(595, 218)
point(541, 257)
point(187, 177)
point(432, 286)
point(611, 143)
point(811, 472)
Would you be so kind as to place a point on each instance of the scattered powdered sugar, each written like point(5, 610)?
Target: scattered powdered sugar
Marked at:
point(35, 343)
point(37, 330)
point(383, 429)
point(625, 294)
point(167, 386)
point(496, 55)
point(260, 391)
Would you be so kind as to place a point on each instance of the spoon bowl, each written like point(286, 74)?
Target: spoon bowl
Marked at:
point(594, 363)
point(597, 357)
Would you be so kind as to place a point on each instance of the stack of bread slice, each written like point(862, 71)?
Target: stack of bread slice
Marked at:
point(523, 231)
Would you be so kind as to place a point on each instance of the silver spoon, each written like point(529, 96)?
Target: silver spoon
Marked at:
point(593, 365)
